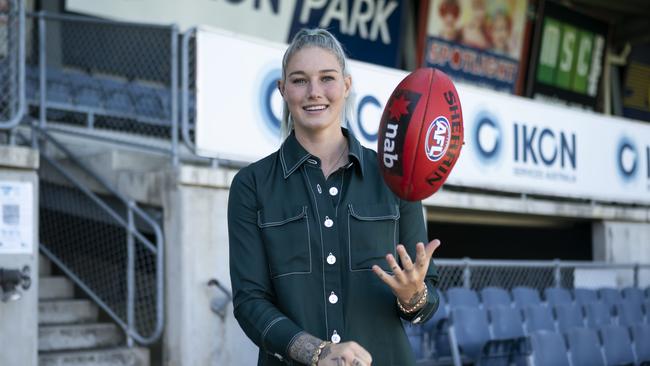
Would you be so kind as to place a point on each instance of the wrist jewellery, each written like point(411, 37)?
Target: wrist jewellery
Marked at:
point(318, 351)
point(417, 305)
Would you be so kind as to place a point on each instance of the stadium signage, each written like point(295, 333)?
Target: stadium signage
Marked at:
point(512, 144)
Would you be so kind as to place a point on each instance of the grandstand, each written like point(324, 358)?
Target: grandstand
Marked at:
point(105, 113)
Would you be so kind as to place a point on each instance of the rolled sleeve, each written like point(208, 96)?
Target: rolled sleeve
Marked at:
point(253, 295)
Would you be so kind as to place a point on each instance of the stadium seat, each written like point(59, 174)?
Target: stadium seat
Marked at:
point(525, 296)
point(633, 294)
point(149, 105)
point(436, 330)
point(557, 295)
point(538, 317)
point(495, 296)
point(119, 102)
point(460, 296)
point(617, 345)
point(641, 339)
point(88, 96)
point(417, 346)
point(59, 92)
point(548, 349)
point(629, 313)
point(584, 296)
point(506, 322)
point(568, 316)
point(646, 306)
point(469, 330)
point(597, 314)
point(584, 347)
point(610, 296)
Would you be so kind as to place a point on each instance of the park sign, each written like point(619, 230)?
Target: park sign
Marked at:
point(569, 56)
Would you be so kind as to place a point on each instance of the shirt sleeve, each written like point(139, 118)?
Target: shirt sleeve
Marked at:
point(253, 295)
point(412, 231)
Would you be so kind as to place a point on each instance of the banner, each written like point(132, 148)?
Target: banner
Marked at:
point(512, 144)
point(370, 30)
point(568, 57)
point(636, 95)
point(476, 41)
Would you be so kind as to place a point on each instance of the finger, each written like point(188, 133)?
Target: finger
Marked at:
point(392, 263)
point(388, 279)
point(431, 247)
point(421, 259)
point(362, 353)
point(407, 263)
point(358, 362)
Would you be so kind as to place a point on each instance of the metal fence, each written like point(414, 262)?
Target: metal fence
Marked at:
point(478, 274)
point(12, 65)
point(94, 77)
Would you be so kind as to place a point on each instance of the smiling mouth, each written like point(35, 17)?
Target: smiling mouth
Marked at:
point(315, 108)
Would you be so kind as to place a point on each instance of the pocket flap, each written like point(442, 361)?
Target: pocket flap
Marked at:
point(268, 217)
point(374, 212)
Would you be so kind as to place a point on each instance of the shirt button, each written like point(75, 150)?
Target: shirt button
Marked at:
point(333, 298)
point(335, 338)
point(331, 259)
point(328, 222)
point(333, 191)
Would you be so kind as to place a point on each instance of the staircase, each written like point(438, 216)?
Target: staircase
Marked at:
point(70, 331)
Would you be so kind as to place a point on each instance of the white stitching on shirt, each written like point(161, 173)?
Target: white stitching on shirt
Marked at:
point(278, 223)
point(392, 217)
point(268, 327)
point(311, 260)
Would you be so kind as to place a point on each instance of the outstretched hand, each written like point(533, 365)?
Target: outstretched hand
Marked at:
point(407, 282)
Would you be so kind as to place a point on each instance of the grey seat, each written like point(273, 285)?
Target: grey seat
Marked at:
point(641, 339)
point(548, 349)
point(525, 296)
point(584, 296)
point(617, 345)
point(568, 316)
point(629, 313)
point(506, 322)
point(597, 314)
point(538, 317)
point(557, 295)
point(495, 296)
point(584, 347)
point(460, 296)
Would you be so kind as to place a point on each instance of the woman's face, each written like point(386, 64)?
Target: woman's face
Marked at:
point(315, 90)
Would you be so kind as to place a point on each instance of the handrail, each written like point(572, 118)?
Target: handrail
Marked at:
point(13, 122)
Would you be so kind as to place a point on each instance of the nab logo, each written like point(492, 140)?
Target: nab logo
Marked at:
point(270, 102)
point(487, 138)
point(437, 140)
point(627, 159)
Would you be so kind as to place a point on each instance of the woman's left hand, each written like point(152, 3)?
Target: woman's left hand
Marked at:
point(407, 282)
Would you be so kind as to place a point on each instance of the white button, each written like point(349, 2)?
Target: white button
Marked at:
point(335, 338)
point(333, 298)
point(334, 191)
point(331, 259)
point(328, 222)
point(319, 189)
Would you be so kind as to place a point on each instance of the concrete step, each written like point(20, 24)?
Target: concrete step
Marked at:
point(55, 287)
point(78, 336)
point(44, 266)
point(104, 357)
point(67, 311)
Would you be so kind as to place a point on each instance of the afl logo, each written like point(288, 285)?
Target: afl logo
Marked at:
point(437, 140)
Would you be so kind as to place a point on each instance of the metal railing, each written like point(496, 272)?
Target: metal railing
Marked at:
point(477, 274)
point(102, 76)
point(12, 63)
point(108, 245)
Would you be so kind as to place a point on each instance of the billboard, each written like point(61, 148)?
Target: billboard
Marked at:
point(568, 56)
point(370, 30)
point(475, 41)
point(512, 144)
point(636, 94)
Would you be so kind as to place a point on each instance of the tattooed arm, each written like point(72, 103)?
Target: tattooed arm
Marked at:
point(303, 347)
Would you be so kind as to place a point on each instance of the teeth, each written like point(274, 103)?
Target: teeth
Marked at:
point(315, 108)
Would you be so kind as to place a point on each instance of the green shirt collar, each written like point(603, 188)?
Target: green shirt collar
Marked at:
point(293, 155)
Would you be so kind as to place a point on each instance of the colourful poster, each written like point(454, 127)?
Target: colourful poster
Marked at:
point(476, 41)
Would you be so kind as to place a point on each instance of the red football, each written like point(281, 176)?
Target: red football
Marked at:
point(420, 134)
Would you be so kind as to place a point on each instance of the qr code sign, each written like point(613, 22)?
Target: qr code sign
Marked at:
point(11, 214)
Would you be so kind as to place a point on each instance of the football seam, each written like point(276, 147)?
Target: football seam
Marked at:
point(417, 147)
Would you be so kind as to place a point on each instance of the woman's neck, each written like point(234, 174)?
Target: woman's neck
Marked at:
point(327, 145)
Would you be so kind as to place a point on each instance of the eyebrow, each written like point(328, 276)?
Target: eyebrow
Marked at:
point(320, 71)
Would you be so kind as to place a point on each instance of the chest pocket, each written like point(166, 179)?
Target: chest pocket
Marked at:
point(372, 233)
point(285, 231)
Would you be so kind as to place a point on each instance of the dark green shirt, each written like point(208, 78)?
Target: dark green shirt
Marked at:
point(302, 248)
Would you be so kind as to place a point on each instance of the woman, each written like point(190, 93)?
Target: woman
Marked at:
point(314, 231)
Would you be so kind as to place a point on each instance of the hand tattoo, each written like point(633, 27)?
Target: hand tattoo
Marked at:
point(325, 352)
point(415, 298)
point(340, 361)
point(303, 346)
point(356, 362)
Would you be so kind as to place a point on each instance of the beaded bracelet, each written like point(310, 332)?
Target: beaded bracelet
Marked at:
point(317, 352)
point(417, 305)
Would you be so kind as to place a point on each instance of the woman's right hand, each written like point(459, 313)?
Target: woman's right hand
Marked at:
point(344, 354)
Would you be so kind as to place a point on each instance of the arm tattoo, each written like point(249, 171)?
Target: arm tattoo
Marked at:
point(303, 346)
point(326, 351)
point(415, 298)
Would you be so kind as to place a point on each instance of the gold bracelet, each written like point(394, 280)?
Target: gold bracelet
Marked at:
point(318, 351)
point(417, 305)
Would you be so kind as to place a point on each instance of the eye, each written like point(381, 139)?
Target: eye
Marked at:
point(328, 78)
point(298, 81)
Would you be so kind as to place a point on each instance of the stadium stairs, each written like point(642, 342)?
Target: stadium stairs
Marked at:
point(72, 330)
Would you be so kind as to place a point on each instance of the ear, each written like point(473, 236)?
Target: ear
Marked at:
point(347, 80)
point(280, 84)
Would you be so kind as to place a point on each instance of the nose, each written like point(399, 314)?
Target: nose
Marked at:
point(315, 90)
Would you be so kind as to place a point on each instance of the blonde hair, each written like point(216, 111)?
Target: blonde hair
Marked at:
point(315, 38)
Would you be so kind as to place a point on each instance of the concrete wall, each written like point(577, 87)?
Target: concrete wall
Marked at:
point(19, 319)
point(623, 242)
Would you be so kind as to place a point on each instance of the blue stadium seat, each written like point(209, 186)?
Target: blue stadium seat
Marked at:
point(548, 349)
point(617, 345)
point(584, 296)
point(506, 322)
point(610, 296)
point(641, 339)
point(538, 317)
point(629, 313)
point(597, 314)
point(646, 306)
point(470, 329)
point(149, 105)
point(417, 346)
point(633, 294)
point(436, 329)
point(557, 295)
point(460, 296)
point(647, 292)
point(494, 296)
point(88, 96)
point(524, 296)
point(59, 92)
point(119, 102)
point(568, 316)
point(584, 347)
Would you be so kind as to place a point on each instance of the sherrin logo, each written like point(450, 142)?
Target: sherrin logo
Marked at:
point(437, 141)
